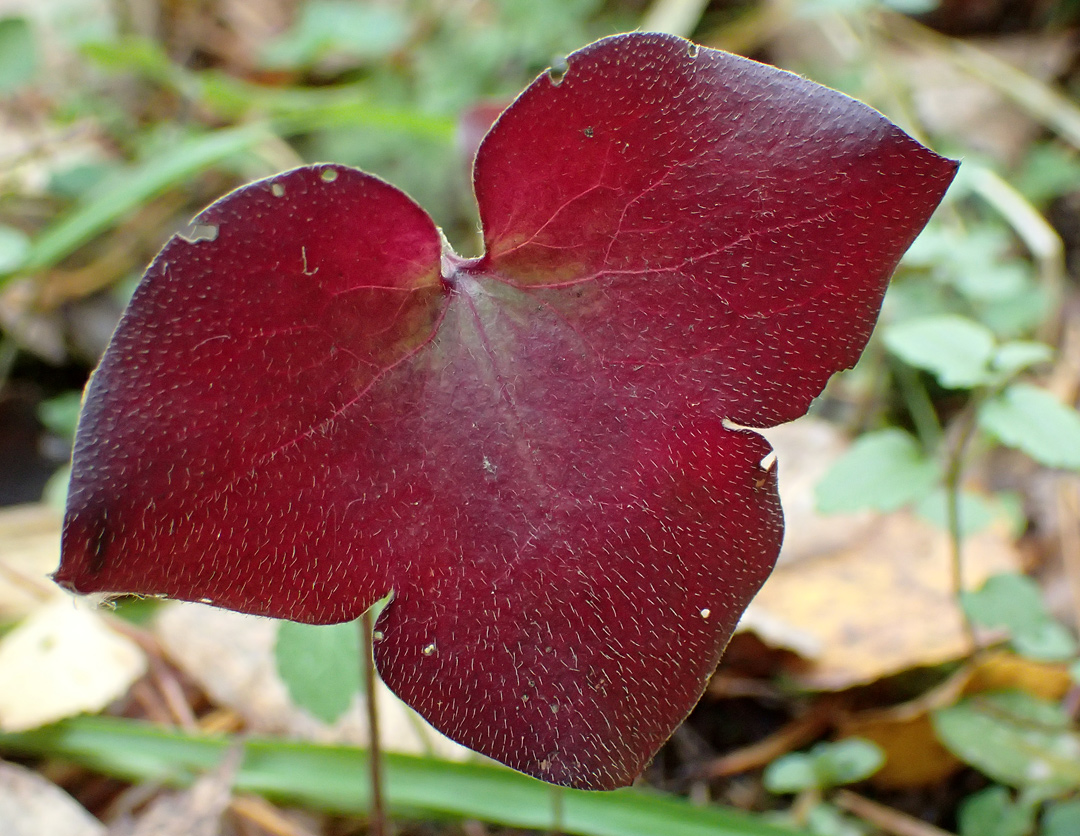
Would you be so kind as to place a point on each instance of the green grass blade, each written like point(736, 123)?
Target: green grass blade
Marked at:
point(143, 181)
point(334, 779)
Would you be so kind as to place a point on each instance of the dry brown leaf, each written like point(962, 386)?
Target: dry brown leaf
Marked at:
point(880, 605)
point(231, 656)
point(196, 811)
point(32, 806)
point(63, 660)
point(914, 757)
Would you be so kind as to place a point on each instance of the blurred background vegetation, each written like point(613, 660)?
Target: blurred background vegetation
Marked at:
point(121, 119)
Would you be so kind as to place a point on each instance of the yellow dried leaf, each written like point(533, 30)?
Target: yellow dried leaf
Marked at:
point(880, 605)
point(63, 660)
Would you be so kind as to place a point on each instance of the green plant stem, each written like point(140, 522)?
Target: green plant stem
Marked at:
point(8, 351)
point(377, 820)
point(919, 406)
point(954, 469)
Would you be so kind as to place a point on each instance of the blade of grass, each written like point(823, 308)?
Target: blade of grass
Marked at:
point(1041, 100)
point(144, 181)
point(301, 109)
point(335, 779)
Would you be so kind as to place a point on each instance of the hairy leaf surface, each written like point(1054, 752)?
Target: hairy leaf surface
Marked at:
point(539, 452)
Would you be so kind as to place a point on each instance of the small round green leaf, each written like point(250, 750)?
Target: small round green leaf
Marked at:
point(790, 773)
point(826, 765)
point(956, 350)
point(1062, 819)
point(882, 471)
point(992, 812)
point(1006, 741)
point(320, 666)
point(847, 761)
point(1034, 421)
point(1014, 602)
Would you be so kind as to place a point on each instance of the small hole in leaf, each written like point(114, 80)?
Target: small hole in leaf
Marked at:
point(589, 133)
point(769, 462)
point(430, 650)
point(277, 190)
point(328, 175)
point(692, 50)
point(558, 70)
point(200, 232)
point(705, 613)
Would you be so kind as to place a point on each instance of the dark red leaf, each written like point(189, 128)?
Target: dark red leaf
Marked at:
point(532, 449)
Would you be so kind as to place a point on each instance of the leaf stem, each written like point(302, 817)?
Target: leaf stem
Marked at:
point(954, 468)
point(377, 819)
point(919, 406)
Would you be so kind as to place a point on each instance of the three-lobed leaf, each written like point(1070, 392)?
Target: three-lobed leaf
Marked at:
point(534, 451)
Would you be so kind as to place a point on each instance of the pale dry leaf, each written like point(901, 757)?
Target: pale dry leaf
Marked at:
point(29, 551)
point(60, 661)
point(878, 606)
point(196, 811)
point(950, 102)
point(32, 806)
point(231, 656)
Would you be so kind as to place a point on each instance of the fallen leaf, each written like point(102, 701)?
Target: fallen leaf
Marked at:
point(241, 674)
point(32, 806)
point(196, 811)
point(879, 605)
point(63, 660)
point(29, 551)
point(915, 756)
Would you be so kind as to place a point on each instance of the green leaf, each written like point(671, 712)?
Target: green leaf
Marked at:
point(992, 812)
point(320, 666)
point(60, 414)
point(130, 189)
point(824, 766)
point(18, 53)
point(825, 820)
point(358, 30)
point(1049, 170)
point(1034, 421)
point(883, 470)
point(1009, 745)
point(976, 512)
point(14, 247)
point(335, 779)
point(1017, 355)
point(847, 761)
point(955, 349)
point(1014, 602)
point(790, 773)
point(1062, 818)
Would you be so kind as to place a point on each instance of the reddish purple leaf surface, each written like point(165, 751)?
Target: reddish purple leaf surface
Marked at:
point(531, 449)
